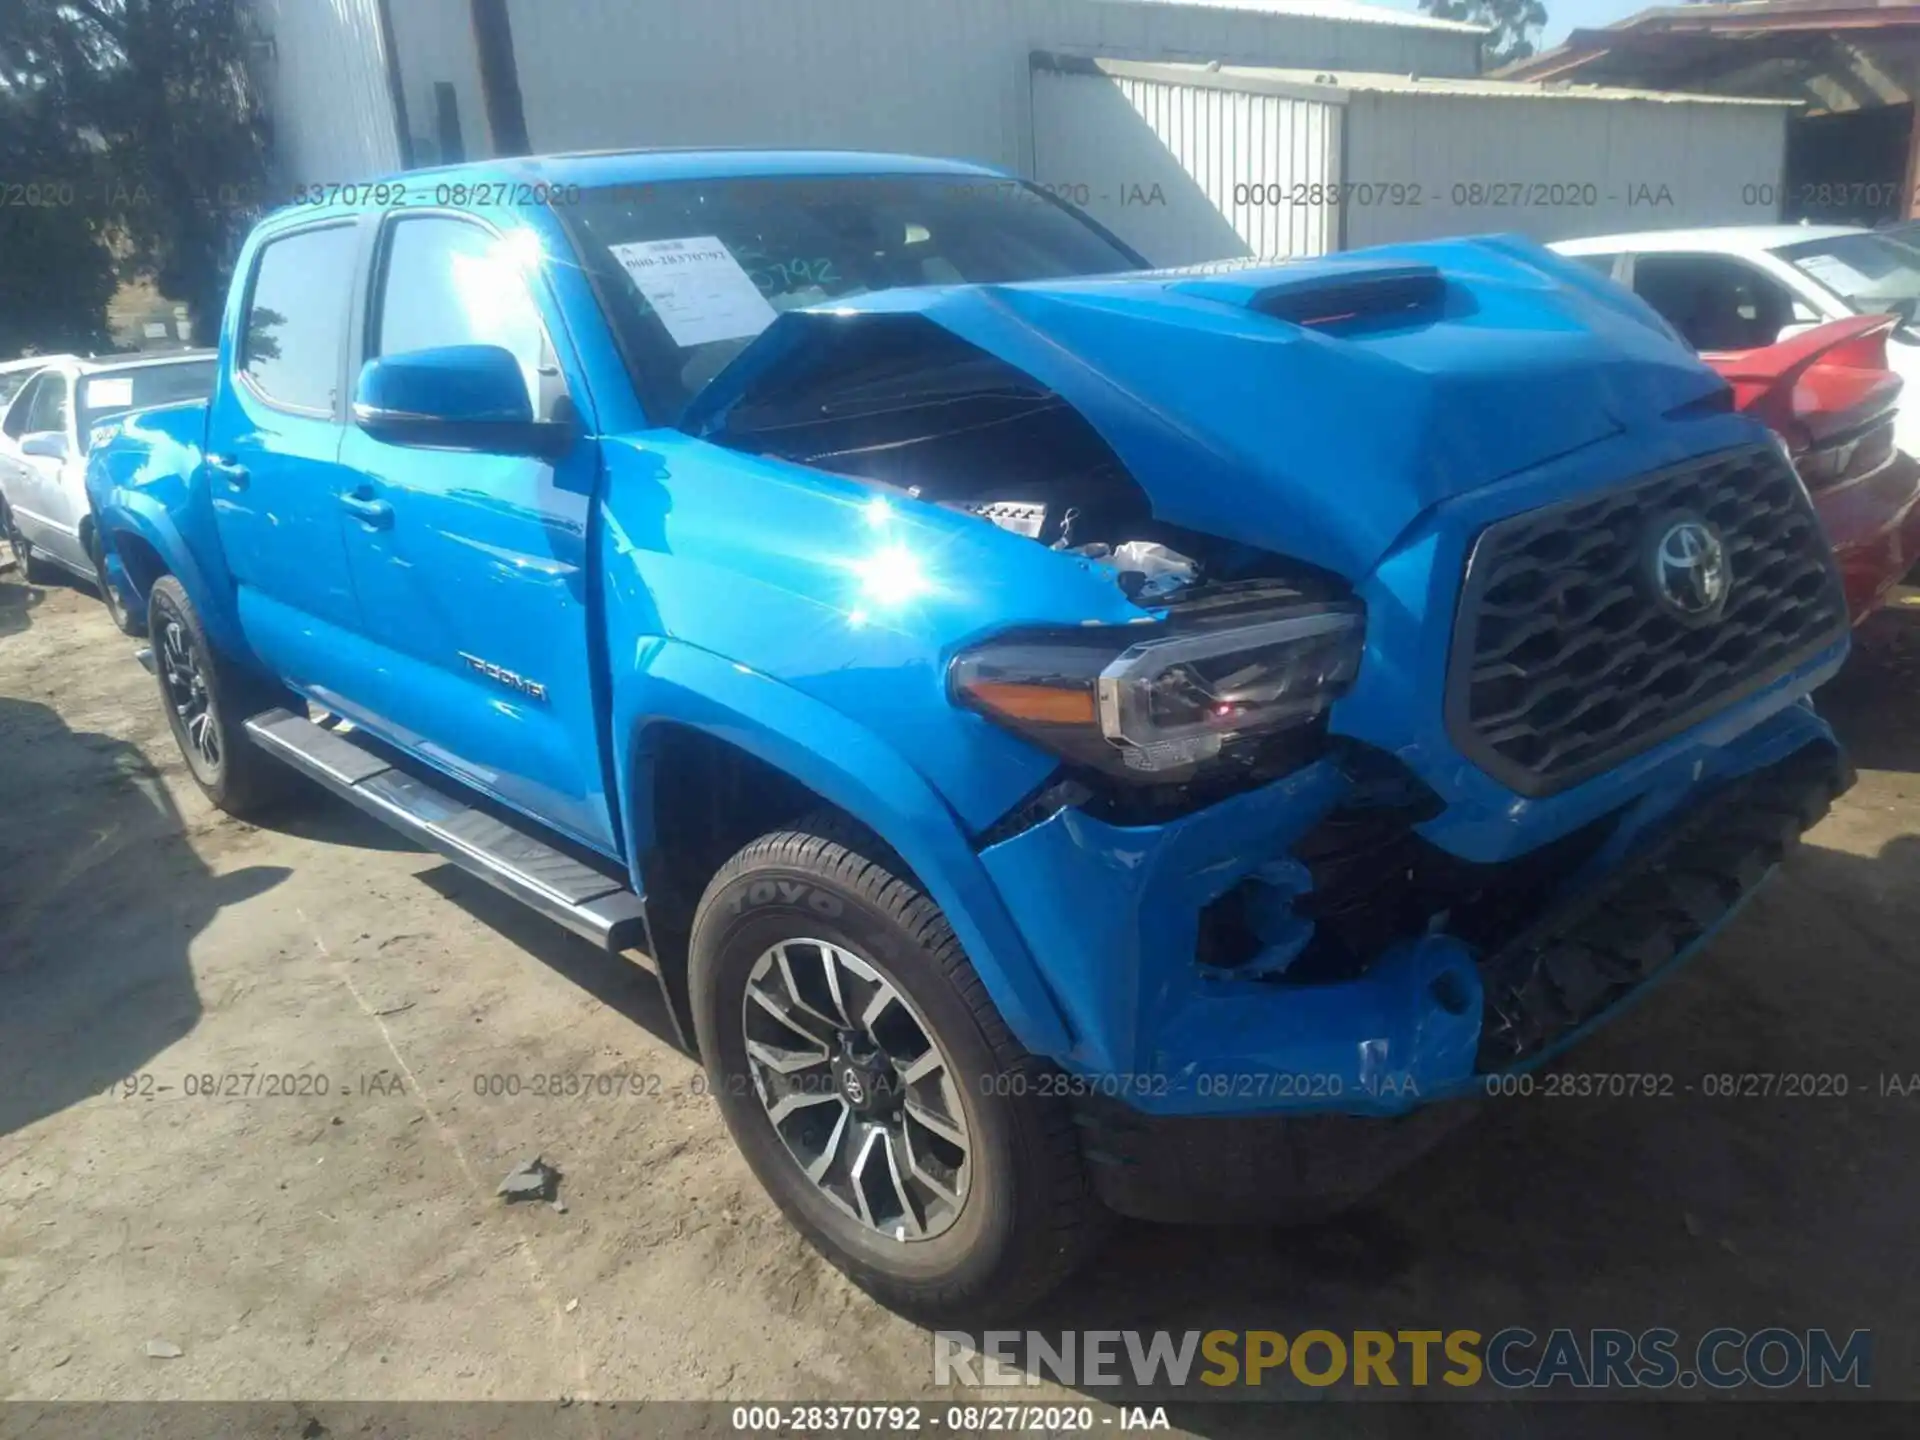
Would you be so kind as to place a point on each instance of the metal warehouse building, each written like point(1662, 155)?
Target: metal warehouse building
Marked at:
point(1107, 99)
point(1193, 163)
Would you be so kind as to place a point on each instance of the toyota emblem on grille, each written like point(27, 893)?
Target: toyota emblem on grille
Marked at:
point(1690, 568)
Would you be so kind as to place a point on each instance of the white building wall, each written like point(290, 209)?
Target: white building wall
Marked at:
point(325, 79)
point(1272, 165)
point(1166, 167)
point(1558, 168)
point(434, 39)
point(942, 77)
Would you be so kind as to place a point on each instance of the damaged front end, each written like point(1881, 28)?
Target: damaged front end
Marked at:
point(1464, 692)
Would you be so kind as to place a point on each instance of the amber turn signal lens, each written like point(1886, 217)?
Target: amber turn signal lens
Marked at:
point(1040, 704)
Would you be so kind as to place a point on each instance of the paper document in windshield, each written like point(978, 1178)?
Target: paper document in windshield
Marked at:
point(697, 288)
point(108, 392)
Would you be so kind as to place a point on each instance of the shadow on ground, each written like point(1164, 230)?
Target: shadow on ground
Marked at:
point(100, 898)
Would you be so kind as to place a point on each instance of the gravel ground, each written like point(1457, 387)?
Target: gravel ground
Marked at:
point(335, 1236)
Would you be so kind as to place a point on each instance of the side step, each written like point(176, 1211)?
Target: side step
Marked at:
point(588, 901)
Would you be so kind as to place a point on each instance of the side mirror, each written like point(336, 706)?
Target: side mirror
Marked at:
point(455, 397)
point(48, 444)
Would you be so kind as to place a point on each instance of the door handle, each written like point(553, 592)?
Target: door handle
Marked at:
point(374, 514)
point(234, 474)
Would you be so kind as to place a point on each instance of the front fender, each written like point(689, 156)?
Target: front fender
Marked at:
point(848, 765)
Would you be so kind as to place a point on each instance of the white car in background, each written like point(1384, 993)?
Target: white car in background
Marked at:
point(1740, 287)
point(44, 437)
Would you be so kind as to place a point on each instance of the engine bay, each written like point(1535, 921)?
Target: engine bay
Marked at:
point(918, 412)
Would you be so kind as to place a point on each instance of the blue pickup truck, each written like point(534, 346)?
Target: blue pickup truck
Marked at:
point(1070, 738)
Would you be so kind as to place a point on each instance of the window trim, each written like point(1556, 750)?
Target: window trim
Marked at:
point(241, 377)
point(553, 387)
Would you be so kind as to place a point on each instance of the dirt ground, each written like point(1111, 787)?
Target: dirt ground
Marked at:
point(348, 1244)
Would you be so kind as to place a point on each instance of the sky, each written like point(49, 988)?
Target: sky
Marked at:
point(1564, 15)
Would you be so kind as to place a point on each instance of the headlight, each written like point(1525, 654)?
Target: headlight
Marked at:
point(1142, 707)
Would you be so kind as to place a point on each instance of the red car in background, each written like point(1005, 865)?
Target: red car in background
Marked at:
point(1829, 394)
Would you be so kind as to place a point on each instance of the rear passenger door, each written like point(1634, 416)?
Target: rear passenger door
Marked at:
point(473, 581)
point(273, 469)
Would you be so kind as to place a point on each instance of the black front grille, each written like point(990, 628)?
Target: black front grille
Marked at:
point(1566, 657)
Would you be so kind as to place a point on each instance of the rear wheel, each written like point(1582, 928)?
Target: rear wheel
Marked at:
point(873, 1087)
point(109, 594)
point(208, 699)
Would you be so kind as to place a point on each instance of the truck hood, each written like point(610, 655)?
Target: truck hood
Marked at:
point(1312, 408)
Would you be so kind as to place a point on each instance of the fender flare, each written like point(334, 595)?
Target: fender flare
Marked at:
point(140, 514)
point(849, 766)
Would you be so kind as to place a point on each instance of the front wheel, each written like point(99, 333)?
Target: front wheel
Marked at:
point(872, 1086)
point(208, 699)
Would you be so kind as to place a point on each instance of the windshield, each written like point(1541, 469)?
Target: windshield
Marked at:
point(1873, 274)
point(108, 394)
point(692, 270)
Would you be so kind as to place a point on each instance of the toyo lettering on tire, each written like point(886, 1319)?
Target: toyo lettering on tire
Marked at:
point(854, 1055)
point(208, 699)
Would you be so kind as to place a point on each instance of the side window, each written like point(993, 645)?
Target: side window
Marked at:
point(448, 282)
point(16, 422)
point(1716, 302)
point(297, 318)
point(1602, 264)
point(48, 410)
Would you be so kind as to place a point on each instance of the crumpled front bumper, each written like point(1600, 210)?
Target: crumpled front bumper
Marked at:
point(1251, 1100)
point(1113, 915)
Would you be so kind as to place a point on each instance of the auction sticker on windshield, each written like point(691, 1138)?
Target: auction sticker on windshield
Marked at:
point(109, 391)
point(696, 287)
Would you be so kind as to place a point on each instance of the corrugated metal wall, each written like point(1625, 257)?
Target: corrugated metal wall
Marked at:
point(435, 42)
point(326, 81)
point(946, 77)
point(1577, 166)
point(1166, 167)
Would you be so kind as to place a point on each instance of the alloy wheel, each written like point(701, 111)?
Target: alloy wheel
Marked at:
point(187, 693)
point(857, 1088)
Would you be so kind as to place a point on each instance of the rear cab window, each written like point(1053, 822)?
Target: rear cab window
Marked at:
point(296, 322)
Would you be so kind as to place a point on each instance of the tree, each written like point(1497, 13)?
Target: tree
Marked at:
point(148, 106)
point(1515, 24)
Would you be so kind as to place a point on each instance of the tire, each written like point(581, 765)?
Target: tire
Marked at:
point(32, 568)
point(234, 774)
point(109, 596)
point(1025, 1218)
